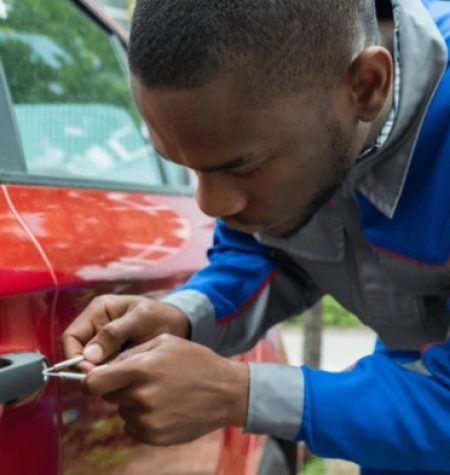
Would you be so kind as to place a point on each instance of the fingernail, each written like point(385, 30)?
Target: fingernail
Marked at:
point(93, 352)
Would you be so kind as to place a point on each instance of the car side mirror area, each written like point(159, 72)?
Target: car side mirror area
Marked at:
point(21, 375)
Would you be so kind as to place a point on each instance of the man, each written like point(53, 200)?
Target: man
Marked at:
point(321, 142)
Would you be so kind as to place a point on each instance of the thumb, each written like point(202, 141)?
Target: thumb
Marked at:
point(110, 338)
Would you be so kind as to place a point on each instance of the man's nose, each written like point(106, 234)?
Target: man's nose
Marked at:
point(219, 196)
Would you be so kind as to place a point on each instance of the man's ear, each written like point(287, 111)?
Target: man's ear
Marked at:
point(370, 79)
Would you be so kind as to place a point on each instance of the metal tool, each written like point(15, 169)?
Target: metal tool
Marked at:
point(66, 375)
point(54, 371)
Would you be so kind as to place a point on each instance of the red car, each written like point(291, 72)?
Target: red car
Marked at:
point(86, 208)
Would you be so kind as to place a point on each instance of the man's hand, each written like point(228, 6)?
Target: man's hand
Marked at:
point(111, 320)
point(171, 391)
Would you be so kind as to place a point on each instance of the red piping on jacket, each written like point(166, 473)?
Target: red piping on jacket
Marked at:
point(247, 304)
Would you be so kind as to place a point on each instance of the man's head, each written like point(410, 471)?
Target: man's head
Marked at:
point(268, 101)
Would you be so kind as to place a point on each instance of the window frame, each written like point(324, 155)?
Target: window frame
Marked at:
point(13, 166)
point(12, 157)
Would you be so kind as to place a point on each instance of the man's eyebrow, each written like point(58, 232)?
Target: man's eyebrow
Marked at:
point(230, 165)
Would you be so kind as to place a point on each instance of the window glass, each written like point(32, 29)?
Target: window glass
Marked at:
point(177, 175)
point(71, 95)
point(120, 10)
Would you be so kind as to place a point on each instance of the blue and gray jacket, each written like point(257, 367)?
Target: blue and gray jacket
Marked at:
point(381, 247)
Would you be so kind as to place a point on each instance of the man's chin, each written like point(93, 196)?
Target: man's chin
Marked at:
point(276, 230)
point(270, 229)
point(248, 227)
point(281, 231)
point(244, 228)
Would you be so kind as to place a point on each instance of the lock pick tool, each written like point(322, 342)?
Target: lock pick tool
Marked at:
point(55, 370)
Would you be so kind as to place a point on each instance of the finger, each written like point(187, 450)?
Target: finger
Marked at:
point(135, 425)
point(111, 337)
point(116, 375)
point(85, 367)
point(133, 432)
point(128, 397)
point(118, 398)
point(74, 338)
point(97, 314)
point(143, 347)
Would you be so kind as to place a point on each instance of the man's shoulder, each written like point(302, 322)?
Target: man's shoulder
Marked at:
point(440, 12)
point(420, 227)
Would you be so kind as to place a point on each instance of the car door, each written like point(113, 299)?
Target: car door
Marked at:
point(87, 207)
point(26, 312)
point(100, 214)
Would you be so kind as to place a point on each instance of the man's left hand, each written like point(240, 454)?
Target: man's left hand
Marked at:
point(171, 391)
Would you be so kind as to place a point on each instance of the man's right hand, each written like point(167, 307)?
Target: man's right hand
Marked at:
point(109, 321)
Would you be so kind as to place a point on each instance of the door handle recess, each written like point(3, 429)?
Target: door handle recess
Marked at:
point(21, 375)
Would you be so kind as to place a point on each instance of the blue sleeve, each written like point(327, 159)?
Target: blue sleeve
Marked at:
point(239, 269)
point(391, 411)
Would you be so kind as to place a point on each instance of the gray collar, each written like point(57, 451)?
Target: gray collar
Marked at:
point(423, 59)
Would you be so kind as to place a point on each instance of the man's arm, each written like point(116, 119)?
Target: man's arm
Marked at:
point(244, 291)
point(389, 412)
point(227, 305)
point(230, 304)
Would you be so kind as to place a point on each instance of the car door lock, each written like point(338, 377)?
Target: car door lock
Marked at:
point(21, 374)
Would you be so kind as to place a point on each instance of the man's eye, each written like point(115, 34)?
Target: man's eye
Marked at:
point(246, 174)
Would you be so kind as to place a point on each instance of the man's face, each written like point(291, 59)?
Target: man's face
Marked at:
point(260, 168)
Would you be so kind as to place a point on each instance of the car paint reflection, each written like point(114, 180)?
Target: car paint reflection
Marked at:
point(113, 242)
point(96, 235)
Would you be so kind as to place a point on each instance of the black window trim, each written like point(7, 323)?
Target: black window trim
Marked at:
point(97, 13)
point(12, 156)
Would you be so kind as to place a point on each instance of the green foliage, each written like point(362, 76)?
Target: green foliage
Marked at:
point(65, 57)
point(333, 315)
point(314, 466)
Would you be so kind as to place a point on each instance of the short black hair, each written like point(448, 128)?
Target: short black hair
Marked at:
point(279, 44)
point(384, 9)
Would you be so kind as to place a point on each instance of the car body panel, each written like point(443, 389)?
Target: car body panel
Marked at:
point(65, 239)
point(105, 235)
point(29, 433)
point(96, 242)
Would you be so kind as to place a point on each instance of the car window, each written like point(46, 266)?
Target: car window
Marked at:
point(71, 97)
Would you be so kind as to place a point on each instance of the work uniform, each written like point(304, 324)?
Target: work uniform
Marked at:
point(381, 247)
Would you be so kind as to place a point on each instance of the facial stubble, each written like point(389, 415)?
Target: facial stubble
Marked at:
point(334, 173)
